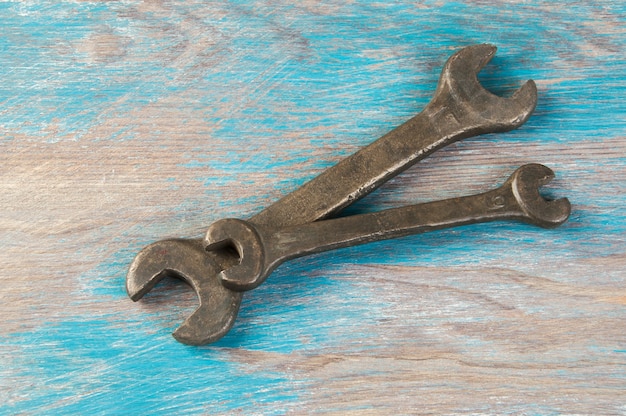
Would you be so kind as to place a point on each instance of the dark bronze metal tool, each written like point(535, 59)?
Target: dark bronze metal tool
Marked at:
point(262, 248)
point(460, 108)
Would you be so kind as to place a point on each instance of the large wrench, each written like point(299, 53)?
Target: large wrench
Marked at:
point(262, 248)
point(460, 108)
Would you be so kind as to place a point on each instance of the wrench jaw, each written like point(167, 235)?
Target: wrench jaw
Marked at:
point(212, 320)
point(475, 108)
point(252, 269)
point(187, 260)
point(525, 183)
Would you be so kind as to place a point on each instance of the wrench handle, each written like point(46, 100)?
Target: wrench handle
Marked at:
point(517, 199)
point(358, 175)
point(320, 236)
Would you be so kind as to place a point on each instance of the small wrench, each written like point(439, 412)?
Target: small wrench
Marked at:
point(460, 108)
point(262, 248)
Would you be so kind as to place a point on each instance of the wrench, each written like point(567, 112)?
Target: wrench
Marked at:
point(460, 108)
point(262, 248)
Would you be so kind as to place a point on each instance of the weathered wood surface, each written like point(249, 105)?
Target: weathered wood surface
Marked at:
point(127, 122)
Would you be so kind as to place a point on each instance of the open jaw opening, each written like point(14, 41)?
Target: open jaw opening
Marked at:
point(187, 260)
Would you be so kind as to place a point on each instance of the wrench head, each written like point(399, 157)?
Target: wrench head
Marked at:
point(246, 239)
point(187, 260)
point(473, 105)
point(525, 183)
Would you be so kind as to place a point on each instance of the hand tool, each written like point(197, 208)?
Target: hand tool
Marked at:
point(262, 248)
point(460, 108)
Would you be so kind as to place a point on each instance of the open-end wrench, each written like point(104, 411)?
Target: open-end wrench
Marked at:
point(460, 108)
point(262, 248)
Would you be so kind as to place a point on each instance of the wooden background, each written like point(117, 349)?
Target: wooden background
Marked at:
point(125, 122)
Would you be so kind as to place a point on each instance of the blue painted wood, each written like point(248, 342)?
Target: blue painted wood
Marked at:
point(126, 122)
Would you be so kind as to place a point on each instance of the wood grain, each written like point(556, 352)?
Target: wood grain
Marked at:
point(126, 122)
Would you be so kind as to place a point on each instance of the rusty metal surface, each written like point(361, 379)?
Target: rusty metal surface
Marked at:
point(460, 108)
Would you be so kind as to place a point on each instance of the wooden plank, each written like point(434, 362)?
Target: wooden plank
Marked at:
point(127, 122)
